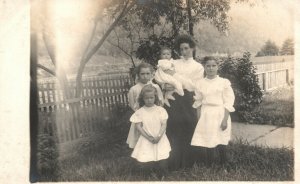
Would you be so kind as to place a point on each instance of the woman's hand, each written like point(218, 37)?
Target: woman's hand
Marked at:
point(224, 124)
point(170, 72)
point(169, 87)
point(198, 112)
point(152, 139)
point(157, 139)
point(144, 133)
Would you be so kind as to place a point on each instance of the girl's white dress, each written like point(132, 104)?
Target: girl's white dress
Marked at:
point(151, 118)
point(214, 96)
point(133, 96)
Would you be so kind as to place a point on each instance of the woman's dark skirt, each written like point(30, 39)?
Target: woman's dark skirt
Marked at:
point(180, 129)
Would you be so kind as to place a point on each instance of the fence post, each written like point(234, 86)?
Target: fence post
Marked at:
point(34, 120)
point(287, 76)
point(265, 81)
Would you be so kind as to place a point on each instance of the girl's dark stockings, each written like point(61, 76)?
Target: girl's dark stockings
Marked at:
point(209, 156)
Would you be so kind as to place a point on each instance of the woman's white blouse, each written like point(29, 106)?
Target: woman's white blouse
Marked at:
point(215, 91)
point(190, 69)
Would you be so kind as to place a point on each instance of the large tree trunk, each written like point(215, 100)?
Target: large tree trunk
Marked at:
point(191, 24)
point(59, 71)
point(174, 27)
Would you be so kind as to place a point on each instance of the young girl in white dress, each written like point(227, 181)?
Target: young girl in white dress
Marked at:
point(151, 121)
point(214, 100)
point(162, 76)
point(144, 75)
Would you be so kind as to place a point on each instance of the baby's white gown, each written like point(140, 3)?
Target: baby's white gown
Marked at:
point(151, 118)
point(213, 95)
point(178, 81)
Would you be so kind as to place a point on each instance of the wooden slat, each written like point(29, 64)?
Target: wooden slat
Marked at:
point(74, 100)
point(68, 119)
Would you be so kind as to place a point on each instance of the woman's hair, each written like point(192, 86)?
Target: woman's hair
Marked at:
point(184, 39)
point(148, 88)
point(209, 58)
point(143, 65)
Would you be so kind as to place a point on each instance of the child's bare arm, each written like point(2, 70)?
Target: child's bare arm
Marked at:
point(144, 133)
point(131, 100)
point(161, 131)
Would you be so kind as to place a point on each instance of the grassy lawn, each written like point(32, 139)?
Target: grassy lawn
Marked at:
point(113, 163)
point(96, 162)
point(277, 108)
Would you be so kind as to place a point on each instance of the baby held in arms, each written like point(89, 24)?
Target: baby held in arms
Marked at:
point(166, 74)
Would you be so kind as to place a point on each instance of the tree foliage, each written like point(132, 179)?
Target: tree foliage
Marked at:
point(147, 24)
point(242, 75)
point(268, 49)
point(175, 14)
point(48, 13)
point(149, 49)
point(287, 47)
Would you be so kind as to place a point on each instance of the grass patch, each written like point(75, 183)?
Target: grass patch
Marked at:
point(113, 163)
point(277, 108)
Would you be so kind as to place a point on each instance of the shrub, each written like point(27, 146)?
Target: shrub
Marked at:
point(241, 73)
point(47, 156)
point(120, 114)
point(277, 108)
point(149, 49)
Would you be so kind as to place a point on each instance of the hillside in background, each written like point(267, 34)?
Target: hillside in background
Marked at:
point(250, 27)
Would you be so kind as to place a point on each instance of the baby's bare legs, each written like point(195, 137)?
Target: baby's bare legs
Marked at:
point(168, 96)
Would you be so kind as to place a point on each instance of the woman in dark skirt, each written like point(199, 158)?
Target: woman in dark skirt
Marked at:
point(182, 116)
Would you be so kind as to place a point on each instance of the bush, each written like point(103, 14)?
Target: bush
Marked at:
point(277, 108)
point(149, 49)
point(241, 73)
point(47, 156)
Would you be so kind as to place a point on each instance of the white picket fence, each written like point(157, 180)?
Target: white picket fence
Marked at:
point(274, 71)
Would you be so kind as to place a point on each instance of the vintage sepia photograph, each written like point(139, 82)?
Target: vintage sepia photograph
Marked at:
point(162, 90)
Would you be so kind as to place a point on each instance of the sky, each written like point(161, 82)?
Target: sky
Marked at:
point(270, 19)
point(251, 26)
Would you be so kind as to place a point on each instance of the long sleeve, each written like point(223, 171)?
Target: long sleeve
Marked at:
point(132, 101)
point(198, 99)
point(159, 93)
point(199, 73)
point(228, 96)
point(186, 82)
point(189, 69)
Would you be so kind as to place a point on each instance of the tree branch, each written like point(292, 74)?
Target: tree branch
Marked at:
point(49, 50)
point(123, 50)
point(60, 73)
point(84, 60)
point(46, 69)
point(91, 38)
point(111, 27)
point(119, 47)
